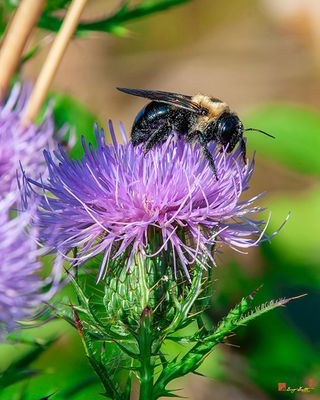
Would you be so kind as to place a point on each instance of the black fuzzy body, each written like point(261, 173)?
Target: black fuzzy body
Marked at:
point(195, 118)
point(156, 121)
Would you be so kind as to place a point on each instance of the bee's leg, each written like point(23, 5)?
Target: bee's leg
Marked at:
point(243, 150)
point(158, 136)
point(207, 154)
point(210, 159)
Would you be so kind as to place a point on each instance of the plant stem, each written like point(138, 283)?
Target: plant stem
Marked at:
point(15, 39)
point(188, 363)
point(145, 341)
point(143, 281)
point(53, 60)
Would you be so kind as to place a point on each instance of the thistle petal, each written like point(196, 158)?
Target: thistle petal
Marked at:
point(108, 201)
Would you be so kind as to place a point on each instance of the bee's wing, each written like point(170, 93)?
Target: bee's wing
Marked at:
point(175, 99)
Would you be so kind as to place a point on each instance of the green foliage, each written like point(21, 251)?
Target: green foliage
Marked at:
point(114, 23)
point(294, 252)
point(70, 112)
point(53, 5)
point(290, 264)
point(281, 354)
point(190, 362)
point(95, 357)
point(297, 140)
point(4, 16)
point(274, 347)
point(20, 368)
point(137, 319)
point(10, 4)
point(61, 369)
point(137, 331)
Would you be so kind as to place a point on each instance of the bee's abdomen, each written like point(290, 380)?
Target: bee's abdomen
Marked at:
point(151, 117)
point(151, 113)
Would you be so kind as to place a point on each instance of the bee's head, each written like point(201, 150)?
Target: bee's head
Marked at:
point(229, 130)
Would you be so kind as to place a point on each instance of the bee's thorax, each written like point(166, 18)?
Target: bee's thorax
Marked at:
point(214, 106)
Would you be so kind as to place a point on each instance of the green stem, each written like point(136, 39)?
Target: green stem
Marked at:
point(189, 363)
point(145, 341)
point(143, 281)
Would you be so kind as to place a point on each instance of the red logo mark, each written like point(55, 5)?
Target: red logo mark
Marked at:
point(282, 387)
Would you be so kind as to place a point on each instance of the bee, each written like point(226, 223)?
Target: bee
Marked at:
point(197, 118)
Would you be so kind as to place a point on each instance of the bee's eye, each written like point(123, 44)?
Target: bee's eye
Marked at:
point(228, 129)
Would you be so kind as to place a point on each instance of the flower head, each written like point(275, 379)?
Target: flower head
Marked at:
point(110, 200)
point(18, 144)
point(22, 289)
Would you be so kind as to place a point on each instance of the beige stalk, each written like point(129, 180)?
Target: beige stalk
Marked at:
point(53, 60)
point(15, 39)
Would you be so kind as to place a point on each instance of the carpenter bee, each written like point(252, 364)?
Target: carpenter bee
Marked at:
point(198, 118)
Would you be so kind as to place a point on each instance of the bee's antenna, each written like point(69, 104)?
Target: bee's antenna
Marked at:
point(258, 130)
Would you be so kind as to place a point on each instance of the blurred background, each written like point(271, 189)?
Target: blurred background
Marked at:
point(263, 59)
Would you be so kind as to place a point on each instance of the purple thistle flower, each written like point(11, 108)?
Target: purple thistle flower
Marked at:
point(22, 289)
point(108, 201)
point(19, 144)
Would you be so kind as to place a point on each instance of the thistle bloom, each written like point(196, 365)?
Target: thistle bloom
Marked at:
point(108, 201)
point(19, 144)
point(22, 289)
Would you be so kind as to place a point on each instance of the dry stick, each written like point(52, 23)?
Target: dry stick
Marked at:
point(15, 39)
point(52, 61)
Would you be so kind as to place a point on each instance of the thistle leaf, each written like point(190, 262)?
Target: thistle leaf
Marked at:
point(114, 23)
point(111, 387)
point(266, 307)
point(20, 369)
point(237, 317)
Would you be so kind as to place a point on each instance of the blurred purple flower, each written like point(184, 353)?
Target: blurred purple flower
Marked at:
point(22, 288)
point(19, 144)
point(108, 201)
